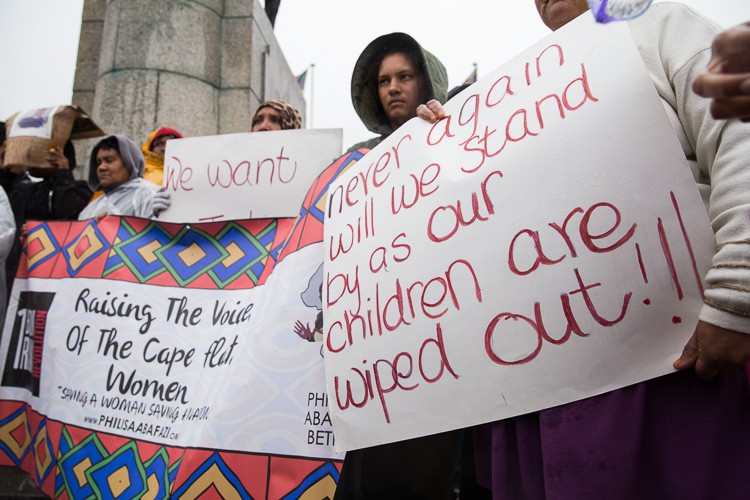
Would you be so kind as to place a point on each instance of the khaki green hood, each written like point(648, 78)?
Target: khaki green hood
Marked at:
point(364, 78)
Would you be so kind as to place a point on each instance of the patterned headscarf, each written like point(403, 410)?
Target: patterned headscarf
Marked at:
point(290, 117)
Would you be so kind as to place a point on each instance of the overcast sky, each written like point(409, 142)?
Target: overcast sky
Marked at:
point(41, 42)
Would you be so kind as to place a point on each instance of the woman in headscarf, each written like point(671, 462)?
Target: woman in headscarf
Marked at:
point(116, 167)
point(275, 114)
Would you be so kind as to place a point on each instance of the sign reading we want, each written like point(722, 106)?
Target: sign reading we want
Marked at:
point(245, 176)
point(543, 243)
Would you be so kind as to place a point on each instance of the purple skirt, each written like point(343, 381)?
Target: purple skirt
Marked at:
point(672, 437)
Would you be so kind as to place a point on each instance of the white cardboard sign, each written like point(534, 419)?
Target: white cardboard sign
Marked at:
point(542, 244)
point(245, 176)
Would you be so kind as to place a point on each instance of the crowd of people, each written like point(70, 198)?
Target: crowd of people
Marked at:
point(676, 436)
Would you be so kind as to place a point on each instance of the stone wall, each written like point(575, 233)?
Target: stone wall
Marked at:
point(200, 66)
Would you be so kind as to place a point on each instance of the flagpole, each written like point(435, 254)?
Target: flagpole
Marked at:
point(312, 93)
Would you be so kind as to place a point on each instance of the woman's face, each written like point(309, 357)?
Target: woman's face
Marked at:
point(110, 169)
point(398, 88)
point(267, 118)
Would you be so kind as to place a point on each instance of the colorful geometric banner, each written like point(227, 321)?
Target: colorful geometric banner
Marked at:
point(143, 359)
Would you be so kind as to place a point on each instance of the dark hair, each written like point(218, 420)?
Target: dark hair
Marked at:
point(2, 133)
point(409, 50)
point(106, 143)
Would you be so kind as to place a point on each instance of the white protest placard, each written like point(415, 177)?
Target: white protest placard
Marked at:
point(245, 176)
point(542, 244)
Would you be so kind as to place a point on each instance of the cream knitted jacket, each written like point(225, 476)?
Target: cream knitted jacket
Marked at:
point(675, 44)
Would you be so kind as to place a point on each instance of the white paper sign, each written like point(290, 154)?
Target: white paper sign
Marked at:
point(543, 243)
point(245, 176)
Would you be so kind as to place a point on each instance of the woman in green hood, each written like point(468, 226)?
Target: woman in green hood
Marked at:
point(392, 76)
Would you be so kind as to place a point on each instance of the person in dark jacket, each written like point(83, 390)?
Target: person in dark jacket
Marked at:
point(392, 76)
point(43, 194)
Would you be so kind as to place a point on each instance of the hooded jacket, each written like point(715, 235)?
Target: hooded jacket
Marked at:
point(154, 161)
point(421, 467)
point(131, 198)
point(364, 85)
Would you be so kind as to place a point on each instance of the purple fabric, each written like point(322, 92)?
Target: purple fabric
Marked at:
point(672, 437)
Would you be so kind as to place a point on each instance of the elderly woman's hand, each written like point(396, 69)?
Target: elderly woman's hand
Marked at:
point(727, 78)
point(712, 349)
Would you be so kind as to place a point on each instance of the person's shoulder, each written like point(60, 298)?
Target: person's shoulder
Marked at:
point(674, 13)
point(672, 34)
point(141, 183)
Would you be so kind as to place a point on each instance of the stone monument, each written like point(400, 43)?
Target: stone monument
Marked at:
point(199, 66)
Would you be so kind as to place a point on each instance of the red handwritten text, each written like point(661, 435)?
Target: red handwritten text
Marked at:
point(388, 311)
point(588, 239)
point(539, 331)
point(485, 141)
point(385, 376)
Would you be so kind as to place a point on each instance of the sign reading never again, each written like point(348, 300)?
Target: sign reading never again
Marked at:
point(511, 257)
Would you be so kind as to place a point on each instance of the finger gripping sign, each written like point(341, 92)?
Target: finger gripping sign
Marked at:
point(537, 246)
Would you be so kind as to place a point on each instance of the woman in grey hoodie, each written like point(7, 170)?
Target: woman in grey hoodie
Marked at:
point(116, 167)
